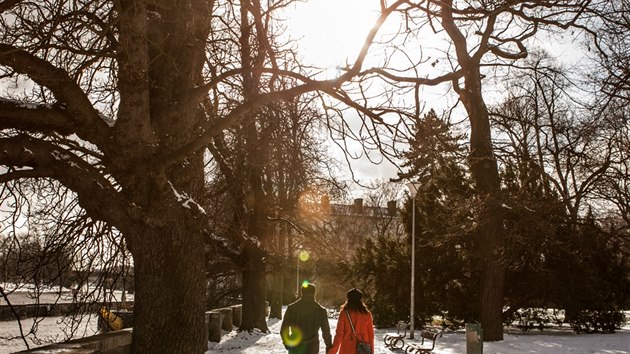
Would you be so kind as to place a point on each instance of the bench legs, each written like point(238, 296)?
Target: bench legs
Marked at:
point(386, 339)
point(397, 343)
point(394, 342)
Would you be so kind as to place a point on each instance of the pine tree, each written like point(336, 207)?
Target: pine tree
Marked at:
point(446, 275)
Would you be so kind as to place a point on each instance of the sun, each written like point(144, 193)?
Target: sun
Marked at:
point(331, 32)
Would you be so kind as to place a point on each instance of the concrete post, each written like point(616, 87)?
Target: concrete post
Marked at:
point(237, 314)
point(206, 320)
point(227, 319)
point(215, 322)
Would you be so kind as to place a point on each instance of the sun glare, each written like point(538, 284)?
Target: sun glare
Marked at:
point(331, 32)
point(304, 255)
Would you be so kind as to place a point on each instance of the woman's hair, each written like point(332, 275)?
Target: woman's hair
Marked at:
point(354, 302)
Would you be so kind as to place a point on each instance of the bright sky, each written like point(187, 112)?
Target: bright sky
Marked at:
point(331, 31)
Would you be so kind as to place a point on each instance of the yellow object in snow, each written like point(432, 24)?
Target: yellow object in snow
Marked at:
point(113, 322)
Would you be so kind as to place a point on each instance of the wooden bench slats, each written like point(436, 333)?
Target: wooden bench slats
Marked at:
point(422, 348)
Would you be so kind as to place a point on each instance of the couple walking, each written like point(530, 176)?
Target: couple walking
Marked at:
point(303, 319)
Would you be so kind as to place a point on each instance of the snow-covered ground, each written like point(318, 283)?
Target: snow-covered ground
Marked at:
point(48, 330)
point(51, 330)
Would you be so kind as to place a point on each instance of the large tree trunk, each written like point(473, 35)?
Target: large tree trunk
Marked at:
point(161, 57)
point(485, 173)
point(254, 280)
point(486, 176)
point(170, 294)
point(169, 262)
point(254, 270)
point(254, 290)
point(492, 272)
point(278, 276)
point(277, 290)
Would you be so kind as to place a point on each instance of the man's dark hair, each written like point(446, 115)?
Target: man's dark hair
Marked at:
point(308, 290)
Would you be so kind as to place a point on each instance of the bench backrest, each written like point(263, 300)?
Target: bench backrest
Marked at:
point(432, 336)
point(401, 327)
point(429, 335)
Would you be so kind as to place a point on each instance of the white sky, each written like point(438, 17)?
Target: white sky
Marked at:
point(331, 31)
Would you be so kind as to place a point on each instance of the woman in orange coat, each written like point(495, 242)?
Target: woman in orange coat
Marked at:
point(345, 341)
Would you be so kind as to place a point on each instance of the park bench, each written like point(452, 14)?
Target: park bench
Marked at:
point(422, 348)
point(396, 340)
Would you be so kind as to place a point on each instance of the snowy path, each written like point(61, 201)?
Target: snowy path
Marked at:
point(450, 343)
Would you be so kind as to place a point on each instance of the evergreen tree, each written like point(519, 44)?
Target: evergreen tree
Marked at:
point(446, 268)
point(556, 256)
point(446, 272)
point(380, 266)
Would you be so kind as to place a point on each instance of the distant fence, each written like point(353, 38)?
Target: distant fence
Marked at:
point(8, 313)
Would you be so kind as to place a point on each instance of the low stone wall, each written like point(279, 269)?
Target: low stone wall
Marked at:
point(223, 319)
point(119, 342)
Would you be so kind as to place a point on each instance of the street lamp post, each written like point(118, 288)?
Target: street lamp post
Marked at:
point(297, 278)
point(413, 190)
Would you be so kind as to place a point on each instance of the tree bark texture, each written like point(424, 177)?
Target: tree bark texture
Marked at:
point(276, 295)
point(254, 293)
point(168, 244)
point(486, 176)
point(170, 291)
point(256, 152)
point(130, 171)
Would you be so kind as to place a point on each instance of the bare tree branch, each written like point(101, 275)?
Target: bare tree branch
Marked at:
point(96, 194)
point(87, 122)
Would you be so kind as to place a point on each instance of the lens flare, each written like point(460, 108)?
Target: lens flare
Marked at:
point(304, 255)
point(305, 283)
point(292, 336)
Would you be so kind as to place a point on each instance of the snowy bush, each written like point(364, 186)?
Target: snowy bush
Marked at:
point(593, 321)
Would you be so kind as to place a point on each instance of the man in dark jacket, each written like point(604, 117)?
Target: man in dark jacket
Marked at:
point(301, 324)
